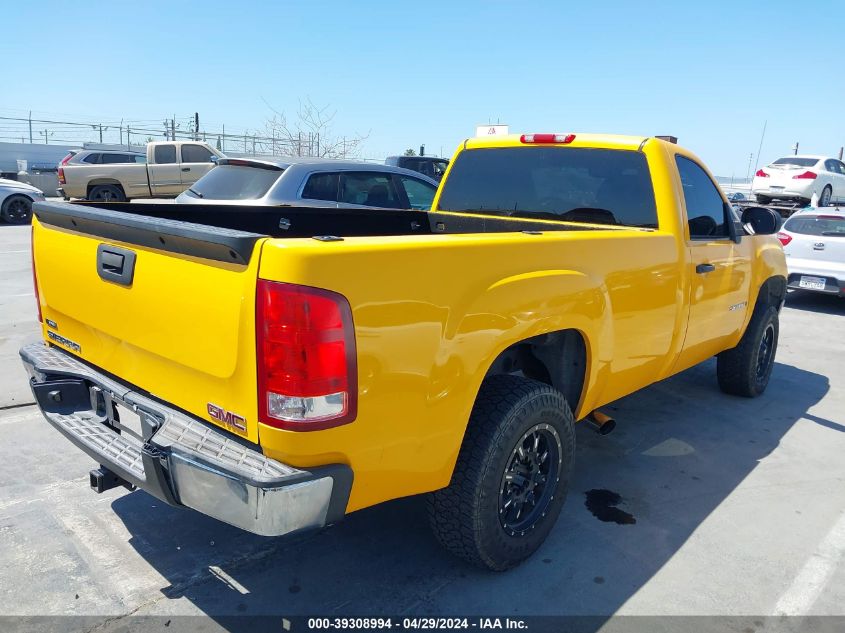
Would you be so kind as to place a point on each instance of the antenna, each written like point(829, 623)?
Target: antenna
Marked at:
point(760, 149)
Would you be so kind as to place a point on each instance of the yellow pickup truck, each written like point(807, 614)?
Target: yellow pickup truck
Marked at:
point(280, 367)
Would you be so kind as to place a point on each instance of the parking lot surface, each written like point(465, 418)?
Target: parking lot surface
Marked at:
point(699, 504)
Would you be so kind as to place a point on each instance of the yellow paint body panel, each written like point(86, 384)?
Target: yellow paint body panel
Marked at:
point(431, 314)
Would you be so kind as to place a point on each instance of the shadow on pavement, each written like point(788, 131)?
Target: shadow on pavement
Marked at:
point(815, 302)
point(680, 449)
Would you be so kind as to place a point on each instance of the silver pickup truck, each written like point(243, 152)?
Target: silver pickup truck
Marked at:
point(169, 169)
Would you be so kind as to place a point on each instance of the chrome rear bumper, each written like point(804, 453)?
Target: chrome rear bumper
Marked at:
point(180, 459)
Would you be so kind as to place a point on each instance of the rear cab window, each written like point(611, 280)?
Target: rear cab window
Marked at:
point(165, 154)
point(571, 184)
point(235, 182)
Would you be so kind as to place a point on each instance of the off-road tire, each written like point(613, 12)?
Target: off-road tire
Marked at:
point(741, 371)
point(465, 516)
point(107, 193)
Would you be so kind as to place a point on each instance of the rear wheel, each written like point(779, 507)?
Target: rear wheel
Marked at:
point(763, 199)
point(106, 193)
point(17, 210)
point(745, 370)
point(824, 199)
point(511, 476)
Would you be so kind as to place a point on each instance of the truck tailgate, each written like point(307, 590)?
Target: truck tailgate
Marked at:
point(177, 322)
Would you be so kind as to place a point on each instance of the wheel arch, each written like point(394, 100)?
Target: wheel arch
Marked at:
point(96, 182)
point(558, 358)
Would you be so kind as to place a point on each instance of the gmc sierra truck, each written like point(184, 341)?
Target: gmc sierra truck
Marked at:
point(280, 367)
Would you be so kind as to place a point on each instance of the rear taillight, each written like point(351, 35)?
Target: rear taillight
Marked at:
point(784, 238)
point(307, 373)
point(761, 174)
point(34, 276)
point(547, 138)
point(807, 174)
point(62, 176)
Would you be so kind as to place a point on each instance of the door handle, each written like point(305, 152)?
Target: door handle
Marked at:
point(186, 169)
point(704, 268)
point(115, 264)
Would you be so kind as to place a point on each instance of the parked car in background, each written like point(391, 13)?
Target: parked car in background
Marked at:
point(736, 196)
point(814, 243)
point(164, 171)
point(798, 178)
point(16, 200)
point(428, 165)
point(314, 182)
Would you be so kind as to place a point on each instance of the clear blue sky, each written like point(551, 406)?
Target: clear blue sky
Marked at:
point(709, 72)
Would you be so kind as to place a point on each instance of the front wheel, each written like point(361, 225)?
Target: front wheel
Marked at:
point(17, 210)
point(511, 477)
point(745, 370)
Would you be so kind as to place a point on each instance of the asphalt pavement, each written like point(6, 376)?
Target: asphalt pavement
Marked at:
point(699, 504)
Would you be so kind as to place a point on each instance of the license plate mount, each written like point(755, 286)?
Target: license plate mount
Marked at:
point(812, 283)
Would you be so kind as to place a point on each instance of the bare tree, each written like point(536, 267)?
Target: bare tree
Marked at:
point(310, 134)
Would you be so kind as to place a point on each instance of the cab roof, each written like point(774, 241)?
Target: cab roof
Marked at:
point(608, 141)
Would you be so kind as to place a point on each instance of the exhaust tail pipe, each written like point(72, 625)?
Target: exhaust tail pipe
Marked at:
point(601, 423)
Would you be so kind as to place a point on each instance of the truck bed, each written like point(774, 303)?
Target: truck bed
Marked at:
point(228, 233)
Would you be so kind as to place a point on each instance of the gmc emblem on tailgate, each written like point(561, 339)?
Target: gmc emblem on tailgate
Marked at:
point(231, 420)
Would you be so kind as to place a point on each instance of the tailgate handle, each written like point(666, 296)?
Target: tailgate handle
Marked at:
point(115, 264)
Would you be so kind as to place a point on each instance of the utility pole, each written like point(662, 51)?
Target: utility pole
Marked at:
point(223, 148)
point(196, 126)
point(795, 149)
point(748, 171)
point(30, 126)
point(173, 128)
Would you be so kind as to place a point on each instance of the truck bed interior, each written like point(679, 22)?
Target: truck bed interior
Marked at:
point(228, 232)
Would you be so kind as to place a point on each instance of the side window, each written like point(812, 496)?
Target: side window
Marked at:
point(420, 194)
point(840, 167)
point(830, 165)
point(371, 189)
point(92, 159)
point(439, 168)
point(140, 158)
point(705, 208)
point(321, 187)
point(114, 158)
point(195, 154)
point(165, 154)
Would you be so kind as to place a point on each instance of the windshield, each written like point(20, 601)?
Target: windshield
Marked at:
point(829, 225)
point(235, 182)
point(598, 186)
point(795, 161)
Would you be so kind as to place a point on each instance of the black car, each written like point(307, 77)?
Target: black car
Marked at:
point(428, 165)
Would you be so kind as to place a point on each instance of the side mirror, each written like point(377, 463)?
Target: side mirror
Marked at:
point(760, 221)
point(214, 158)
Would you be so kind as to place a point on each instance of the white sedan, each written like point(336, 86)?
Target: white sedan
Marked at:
point(16, 200)
point(798, 178)
point(814, 243)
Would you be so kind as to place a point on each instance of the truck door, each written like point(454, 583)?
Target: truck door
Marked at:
point(719, 269)
point(163, 171)
point(196, 162)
